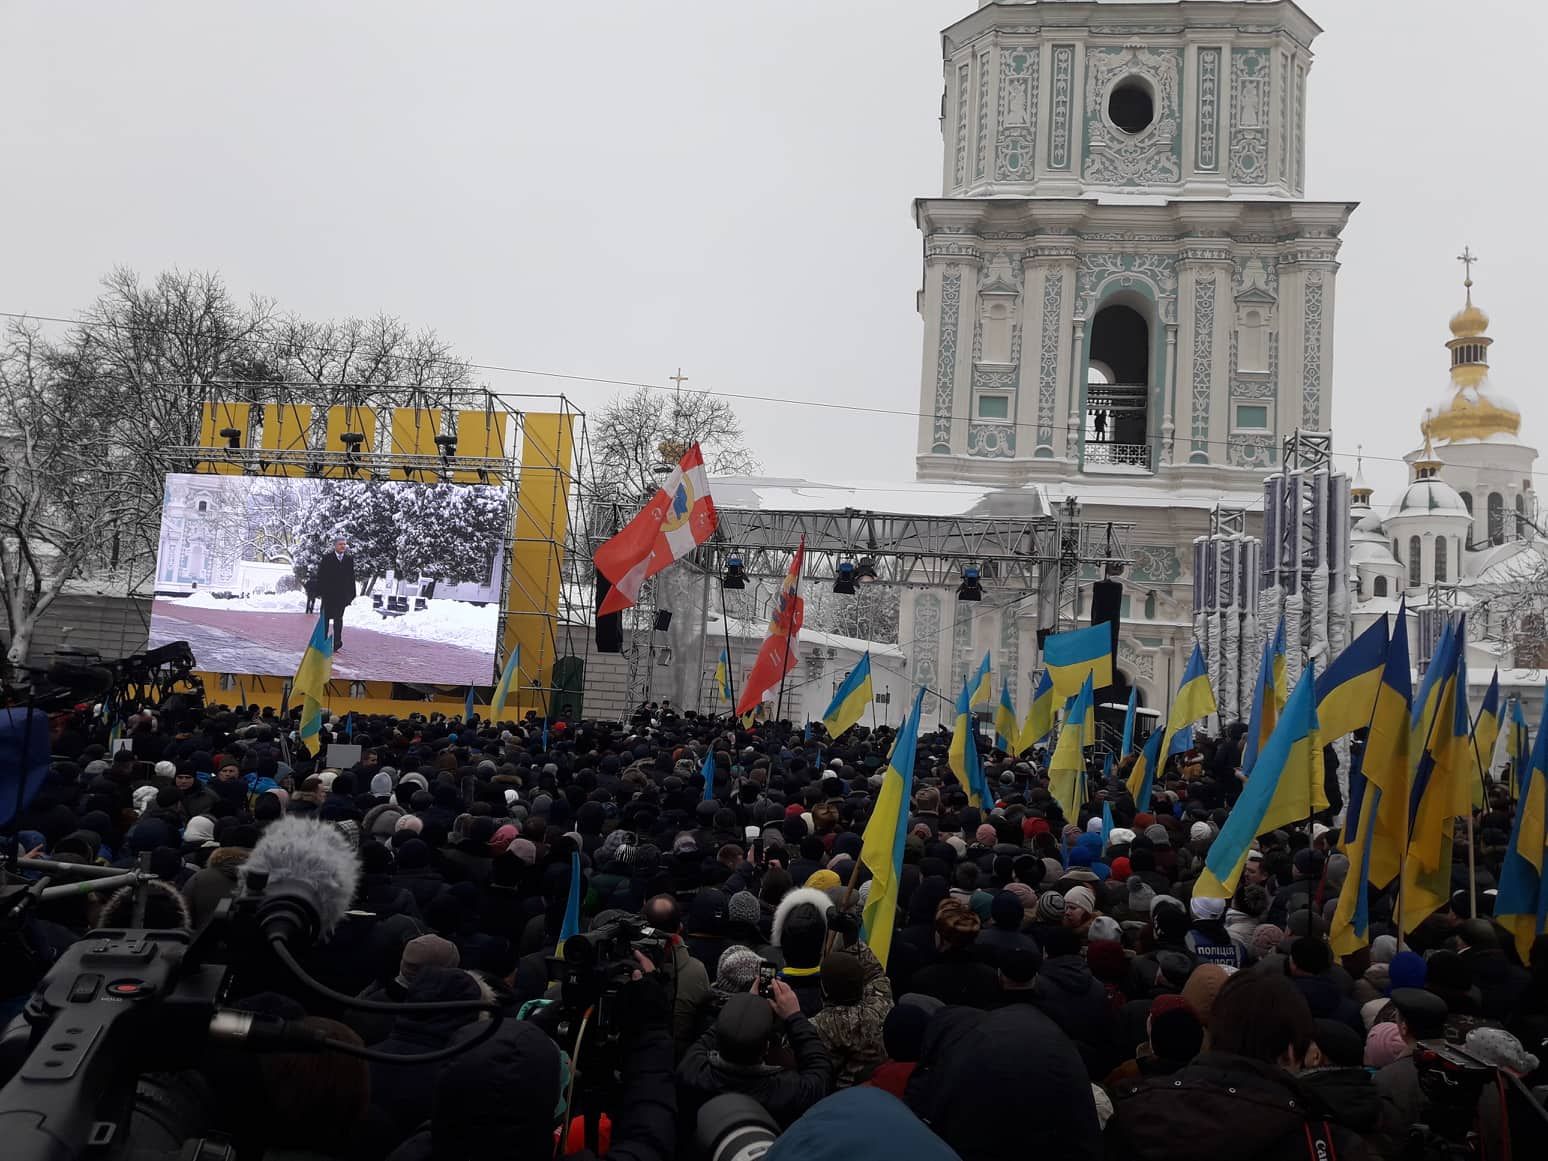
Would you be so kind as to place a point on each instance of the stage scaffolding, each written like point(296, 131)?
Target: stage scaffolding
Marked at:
point(1038, 554)
point(533, 446)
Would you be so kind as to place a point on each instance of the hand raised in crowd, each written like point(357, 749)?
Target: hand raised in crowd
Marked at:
point(784, 1001)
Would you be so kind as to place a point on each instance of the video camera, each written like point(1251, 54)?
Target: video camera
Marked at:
point(122, 1004)
point(597, 964)
point(1453, 1083)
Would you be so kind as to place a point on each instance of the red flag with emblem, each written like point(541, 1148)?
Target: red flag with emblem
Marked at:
point(778, 655)
point(679, 518)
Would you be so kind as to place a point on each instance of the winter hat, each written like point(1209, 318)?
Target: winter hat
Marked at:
point(1204, 908)
point(426, 951)
point(1383, 948)
point(1120, 870)
point(743, 908)
point(1158, 834)
point(410, 822)
point(1082, 898)
point(1121, 836)
point(1341, 1044)
point(143, 797)
point(1141, 896)
point(1384, 1044)
point(1053, 871)
point(822, 880)
point(956, 923)
point(742, 1030)
point(165, 769)
point(843, 978)
point(1498, 1047)
point(1006, 910)
point(200, 829)
point(381, 785)
point(1266, 938)
point(1105, 929)
point(1201, 832)
point(523, 849)
point(903, 1032)
point(1050, 907)
point(1203, 986)
point(502, 840)
point(800, 927)
point(986, 835)
point(1024, 895)
point(1407, 970)
point(1370, 1011)
point(736, 969)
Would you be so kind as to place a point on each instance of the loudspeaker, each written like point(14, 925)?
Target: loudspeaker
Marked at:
point(610, 627)
point(663, 620)
point(1107, 606)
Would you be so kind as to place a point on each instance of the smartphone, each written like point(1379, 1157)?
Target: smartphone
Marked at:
point(757, 851)
point(767, 973)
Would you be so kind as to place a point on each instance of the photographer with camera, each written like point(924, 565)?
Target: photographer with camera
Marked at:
point(497, 1101)
point(733, 1056)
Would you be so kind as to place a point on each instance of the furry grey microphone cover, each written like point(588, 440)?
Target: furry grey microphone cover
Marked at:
point(314, 852)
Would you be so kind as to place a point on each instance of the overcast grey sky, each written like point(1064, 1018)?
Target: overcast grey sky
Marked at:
point(614, 188)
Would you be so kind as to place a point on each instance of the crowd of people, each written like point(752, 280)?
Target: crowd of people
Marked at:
point(1052, 987)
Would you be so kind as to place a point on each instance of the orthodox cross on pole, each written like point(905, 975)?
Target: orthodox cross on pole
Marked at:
point(1467, 258)
point(678, 378)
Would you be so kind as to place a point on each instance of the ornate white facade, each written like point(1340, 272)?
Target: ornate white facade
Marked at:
point(1126, 299)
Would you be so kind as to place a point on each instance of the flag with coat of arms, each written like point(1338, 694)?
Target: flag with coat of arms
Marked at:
point(679, 518)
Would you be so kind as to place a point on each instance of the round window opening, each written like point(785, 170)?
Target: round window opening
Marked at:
point(1131, 107)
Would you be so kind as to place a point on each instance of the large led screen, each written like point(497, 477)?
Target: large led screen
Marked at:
point(406, 576)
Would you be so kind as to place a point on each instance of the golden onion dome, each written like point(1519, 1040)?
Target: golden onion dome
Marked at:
point(1471, 410)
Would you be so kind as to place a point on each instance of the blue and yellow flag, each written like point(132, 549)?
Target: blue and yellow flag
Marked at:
point(1005, 721)
point(1142, 777)
point(963, 757)
point(1068, 766)
point(1127, 744)
point(510, 677)
point(723, 676)
point(1070, 658)
point(572, 902)
point(1194, 700)
point(708, 770)
point(1443, 770)
point(1486, 736)
point(1268, 698)
point(467, 706)
point(1280, 792)
point(311, 721)
point(1376, 815)
point(1038, 723)
point(316, 668)
point(1107, 823)
point(851, 699)
point(1347, 692)
point(983, 688)
point(1520, 744)
point(881, 849)
point(1521, 906)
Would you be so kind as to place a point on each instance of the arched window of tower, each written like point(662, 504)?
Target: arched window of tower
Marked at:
point(1440, 559)
point(1379, 586)
point(1496, 518)
point(1520, 516)
point(1467, 500)
point(1117, 428)
point(1415, 565)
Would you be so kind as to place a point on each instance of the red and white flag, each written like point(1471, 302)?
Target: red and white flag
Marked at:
point(679, 518)
point(778, 655)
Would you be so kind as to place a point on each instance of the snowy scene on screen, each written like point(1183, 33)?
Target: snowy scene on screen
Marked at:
point(405, 575)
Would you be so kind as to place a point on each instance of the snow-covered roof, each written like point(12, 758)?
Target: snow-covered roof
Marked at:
point(1365, 551)
point(746, 630)
point(921, 497)
point(1508, 563)
point(1432, 496)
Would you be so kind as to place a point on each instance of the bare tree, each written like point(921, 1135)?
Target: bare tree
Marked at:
point(68, 481)
point(869, 614)
point(640, 433)
point(1512, 598)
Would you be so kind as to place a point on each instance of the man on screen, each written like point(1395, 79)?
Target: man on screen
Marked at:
point(334, 582)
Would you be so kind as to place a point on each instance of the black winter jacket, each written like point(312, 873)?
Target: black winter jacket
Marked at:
point(785, 1093)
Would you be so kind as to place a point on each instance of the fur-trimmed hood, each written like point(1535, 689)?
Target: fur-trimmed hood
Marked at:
point(793, 900)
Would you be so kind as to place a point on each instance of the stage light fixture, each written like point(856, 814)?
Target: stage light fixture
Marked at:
point(664, 656)
point(970, 589)
point(844, 579)
point(232, 436)
point(865, 570)
point(447, 444)
point(736, 576)
point(351, 441)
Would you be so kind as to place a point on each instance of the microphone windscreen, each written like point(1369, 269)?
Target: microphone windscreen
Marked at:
point(315, 854)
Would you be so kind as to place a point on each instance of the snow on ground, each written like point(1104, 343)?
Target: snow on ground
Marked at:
point(446, 622)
